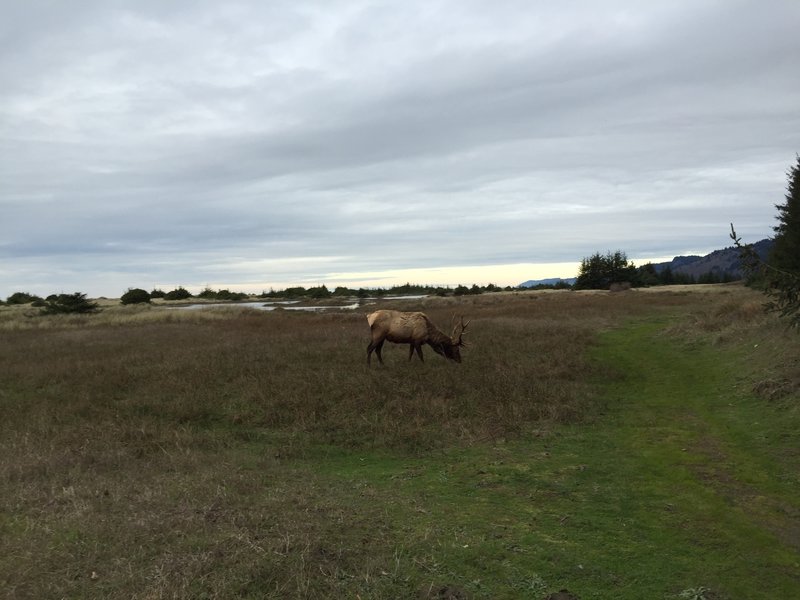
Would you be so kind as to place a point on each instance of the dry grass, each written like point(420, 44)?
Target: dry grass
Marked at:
point(306, 372)
point(770, 351)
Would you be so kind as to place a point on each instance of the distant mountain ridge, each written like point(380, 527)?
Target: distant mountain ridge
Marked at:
point(725, 262)
point(550, 281)
point(721, 263)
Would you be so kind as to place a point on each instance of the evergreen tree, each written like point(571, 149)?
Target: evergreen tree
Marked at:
point(784, 260)
point(592, 273)
point(647, 275)
point(781, 271)
point(598, 271)
point(785, 253)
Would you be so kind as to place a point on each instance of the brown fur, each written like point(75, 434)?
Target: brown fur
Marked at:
point(414, 329)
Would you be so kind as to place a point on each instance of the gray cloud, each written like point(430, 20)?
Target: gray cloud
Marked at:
point(251, 143)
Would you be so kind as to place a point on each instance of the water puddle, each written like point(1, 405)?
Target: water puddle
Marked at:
point(282, 304)
point(290, 304)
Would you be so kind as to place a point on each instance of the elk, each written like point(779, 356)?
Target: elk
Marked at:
point(414, 329)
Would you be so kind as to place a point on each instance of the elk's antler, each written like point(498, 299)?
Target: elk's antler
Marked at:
point(463, 329)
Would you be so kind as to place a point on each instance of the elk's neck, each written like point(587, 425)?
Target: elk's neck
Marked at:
point(437, 337)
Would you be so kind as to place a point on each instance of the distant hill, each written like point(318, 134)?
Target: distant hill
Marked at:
point(720, 262)
point(548, 282)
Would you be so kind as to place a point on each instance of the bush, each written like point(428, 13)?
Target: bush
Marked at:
point(157, 294)
point(229, 295)
point(135, 296)
point(319, 293)
point(178, 294)
point(207, 294)
point(69, 304)
point(21, 298)
point(294, 292)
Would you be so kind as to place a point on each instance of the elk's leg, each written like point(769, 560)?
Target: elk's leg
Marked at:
point(375, 345)
point(418, 348)
point(410, 351)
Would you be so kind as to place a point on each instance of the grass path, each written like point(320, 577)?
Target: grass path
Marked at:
point(711, 469)
point(684, 487)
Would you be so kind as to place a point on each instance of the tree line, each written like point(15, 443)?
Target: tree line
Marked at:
point(602, 271)
point(78, 303)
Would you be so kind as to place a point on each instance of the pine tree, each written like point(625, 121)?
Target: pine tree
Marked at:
point(598, 272)
point(781, 271)
point(785, 253)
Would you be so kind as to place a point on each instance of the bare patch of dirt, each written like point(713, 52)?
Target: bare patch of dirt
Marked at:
point(776, 388)
point(779, 518)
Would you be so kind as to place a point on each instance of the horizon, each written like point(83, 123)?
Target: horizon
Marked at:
point(372, 281)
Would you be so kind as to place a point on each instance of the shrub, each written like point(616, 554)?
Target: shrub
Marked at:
point(135, 296)
point(319, 292)
point(294, 292)
point(21, 298)
point(207, 294)
point(229, 295)
point(157, 294)
point(69, 304)
point(178, 294)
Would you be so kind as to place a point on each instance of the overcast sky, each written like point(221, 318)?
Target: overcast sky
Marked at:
point(252, 145)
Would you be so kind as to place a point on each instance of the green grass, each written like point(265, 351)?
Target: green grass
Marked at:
point(611, 445)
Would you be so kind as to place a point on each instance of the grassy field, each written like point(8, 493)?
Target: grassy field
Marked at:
point(635, 445)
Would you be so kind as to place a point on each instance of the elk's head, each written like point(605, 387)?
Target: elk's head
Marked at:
point(453, 349)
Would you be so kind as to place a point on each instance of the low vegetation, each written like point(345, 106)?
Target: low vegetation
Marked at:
point(76, 303)
point(135, 296)
point(633, 445)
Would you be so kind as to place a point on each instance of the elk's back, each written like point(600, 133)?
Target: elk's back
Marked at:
point(399, 326)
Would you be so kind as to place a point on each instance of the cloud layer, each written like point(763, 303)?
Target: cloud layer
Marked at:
point(246, 144)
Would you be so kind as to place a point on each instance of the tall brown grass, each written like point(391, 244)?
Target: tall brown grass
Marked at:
point(307, 372)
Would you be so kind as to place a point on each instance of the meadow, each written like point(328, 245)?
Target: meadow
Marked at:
point(641, 444)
